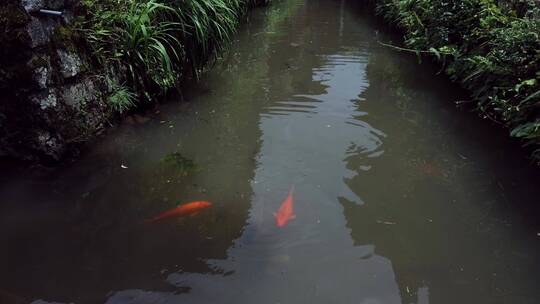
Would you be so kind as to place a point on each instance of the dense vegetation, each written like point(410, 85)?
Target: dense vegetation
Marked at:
point(491, 47)
point(155, 44)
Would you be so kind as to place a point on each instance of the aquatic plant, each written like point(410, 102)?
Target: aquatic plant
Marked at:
point(183, 166)
point(491, 47)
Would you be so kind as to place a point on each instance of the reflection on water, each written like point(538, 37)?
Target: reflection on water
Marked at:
point(399, 198)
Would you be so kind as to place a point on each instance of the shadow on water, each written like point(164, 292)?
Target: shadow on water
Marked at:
point(399, 198)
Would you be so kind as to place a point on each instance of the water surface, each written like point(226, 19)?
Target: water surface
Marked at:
point(399, 197)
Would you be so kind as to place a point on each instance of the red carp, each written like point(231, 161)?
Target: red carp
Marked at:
point(285, 212)
point(182, 210)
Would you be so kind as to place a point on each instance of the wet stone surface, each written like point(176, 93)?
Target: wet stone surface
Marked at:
point(45, 80)
point(32, 6)
point(70, 63)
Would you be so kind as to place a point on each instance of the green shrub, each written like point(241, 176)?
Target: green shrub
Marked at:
point(154, 45)
point(136, 38)
point(492, 48)
point(122, 99)
point(209, 25)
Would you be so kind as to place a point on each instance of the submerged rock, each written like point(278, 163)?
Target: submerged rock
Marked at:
point(181, 165)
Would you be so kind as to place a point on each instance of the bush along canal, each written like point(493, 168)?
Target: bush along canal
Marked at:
point(492, 48)
point(311, 165)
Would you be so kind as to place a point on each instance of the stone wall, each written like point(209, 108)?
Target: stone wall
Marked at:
point(51, 96)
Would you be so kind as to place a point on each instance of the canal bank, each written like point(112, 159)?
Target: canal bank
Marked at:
point(489, 47)
point(70, 69)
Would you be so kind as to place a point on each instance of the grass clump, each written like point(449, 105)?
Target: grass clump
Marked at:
point(209, 25)
point(135, 39)
point(154, 44)
point(491, 47)
point(122, 99)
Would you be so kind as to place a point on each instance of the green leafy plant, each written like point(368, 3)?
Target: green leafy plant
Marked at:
point(209, 25)
point(152, 45)
point(136, 38)
point(180, 164)
point(491, 47)
point(122, 99)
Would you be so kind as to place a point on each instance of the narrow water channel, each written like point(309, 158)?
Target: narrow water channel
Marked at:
point(399, 197)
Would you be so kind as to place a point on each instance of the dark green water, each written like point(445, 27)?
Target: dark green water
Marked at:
point(399, 197)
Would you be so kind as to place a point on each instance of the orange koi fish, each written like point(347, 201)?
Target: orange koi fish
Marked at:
point(182, 210)
point(285, 212)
